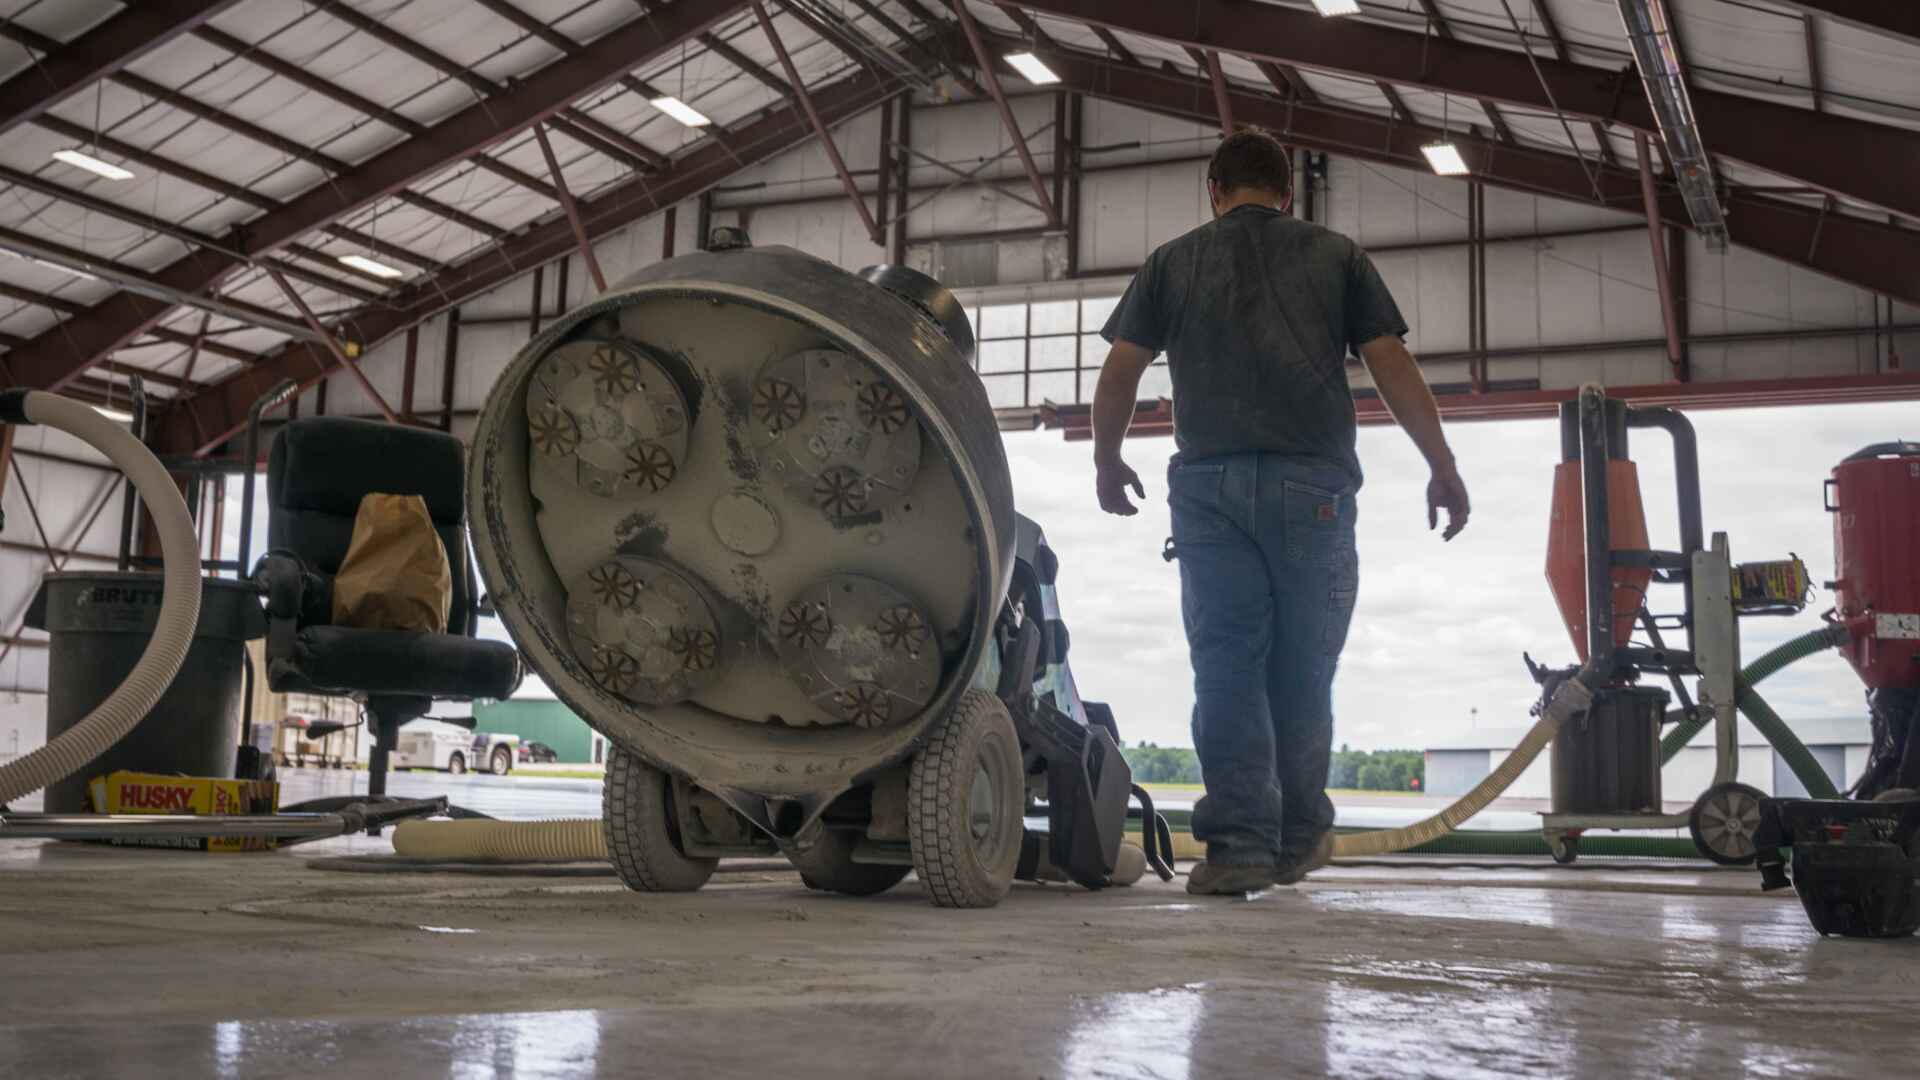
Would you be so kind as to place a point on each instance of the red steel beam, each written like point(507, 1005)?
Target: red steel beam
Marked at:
point(1900, 18)
point(1871, 255)
point(797, 90)
point(991, 76)
point(74, 307)
point(134, 32)
point(340, 358)
point(222, 409)
point(571, 210)
point(55, 357)
point(1153, 418)
point(1824, 151)
point(1222, 103)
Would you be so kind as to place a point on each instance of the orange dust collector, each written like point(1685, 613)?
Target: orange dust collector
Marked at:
point(1566, 548)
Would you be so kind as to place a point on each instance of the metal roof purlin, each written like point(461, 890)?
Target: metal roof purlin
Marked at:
point(55, 357)
point(1786, 140)
point(221, 410)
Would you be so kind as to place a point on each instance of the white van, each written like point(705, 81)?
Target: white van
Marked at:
point(434, 744)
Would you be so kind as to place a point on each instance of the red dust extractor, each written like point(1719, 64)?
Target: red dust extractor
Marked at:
point(1874, 496)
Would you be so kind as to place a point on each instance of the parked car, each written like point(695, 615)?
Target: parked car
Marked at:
point(433, 744)
point(536, 753)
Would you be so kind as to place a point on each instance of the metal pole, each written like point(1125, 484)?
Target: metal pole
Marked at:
point(903, 145)
point(992, 79)
point(813, 117)
point(883, 197)
point(1650, 199)
point(571, 208)
point(1076, 125)
point(136, 386)
point(408, 370)
point(446, 369)
point(280, 392)
point(1599, 533)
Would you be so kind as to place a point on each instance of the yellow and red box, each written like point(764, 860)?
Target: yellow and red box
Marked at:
point(126, 792)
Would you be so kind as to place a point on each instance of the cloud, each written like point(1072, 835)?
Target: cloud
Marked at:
point(1439, 628)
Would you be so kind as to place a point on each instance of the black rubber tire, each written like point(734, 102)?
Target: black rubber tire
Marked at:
point(828, 866)
point(957, 868)
point(457, 764)
point(1565, 850)
point(643, 839)
point(501, 761)
point(1723, 821)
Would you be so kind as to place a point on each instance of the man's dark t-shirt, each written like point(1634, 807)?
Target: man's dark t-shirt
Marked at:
point(1257, 312)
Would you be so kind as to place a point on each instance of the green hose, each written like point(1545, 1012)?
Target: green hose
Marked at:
point(1807, 644)
point(1791, 750)
point(1528, 842)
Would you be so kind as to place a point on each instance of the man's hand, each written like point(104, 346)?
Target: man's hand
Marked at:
point(1111, 481)
point(1446, 491)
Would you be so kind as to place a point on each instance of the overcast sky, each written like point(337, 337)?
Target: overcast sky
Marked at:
point(1439, 628)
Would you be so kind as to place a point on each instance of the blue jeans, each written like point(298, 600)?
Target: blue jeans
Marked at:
point(1268, 575)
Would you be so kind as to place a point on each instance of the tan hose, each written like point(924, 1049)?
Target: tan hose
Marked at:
point(580, 839)
point(159, 662)
point(1570, 700)
point(564, 840)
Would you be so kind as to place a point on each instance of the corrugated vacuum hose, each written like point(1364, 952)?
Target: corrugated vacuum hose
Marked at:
point(1570, 700)
point(179, 606)
point(563, 840)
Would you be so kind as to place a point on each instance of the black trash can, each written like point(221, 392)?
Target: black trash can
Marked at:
point(100, 624)
point(1608, 761)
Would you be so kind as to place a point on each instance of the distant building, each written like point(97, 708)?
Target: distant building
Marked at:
point(544, 720)
point(1839, 744)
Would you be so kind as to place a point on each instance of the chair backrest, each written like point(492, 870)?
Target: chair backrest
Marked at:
point(322, 466)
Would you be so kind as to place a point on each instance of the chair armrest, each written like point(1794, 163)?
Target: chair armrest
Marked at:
point(284, 580)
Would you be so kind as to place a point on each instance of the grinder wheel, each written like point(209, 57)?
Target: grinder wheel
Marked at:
point(1723, 822)
point(964, 794)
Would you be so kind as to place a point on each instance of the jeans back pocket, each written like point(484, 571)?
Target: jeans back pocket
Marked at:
point(1318, 523)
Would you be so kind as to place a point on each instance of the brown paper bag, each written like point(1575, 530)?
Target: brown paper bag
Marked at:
point(395, 575)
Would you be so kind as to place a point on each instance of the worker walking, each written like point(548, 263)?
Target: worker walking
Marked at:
point(1257, 312)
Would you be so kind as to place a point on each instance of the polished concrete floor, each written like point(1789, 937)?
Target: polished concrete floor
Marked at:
point(116, 962)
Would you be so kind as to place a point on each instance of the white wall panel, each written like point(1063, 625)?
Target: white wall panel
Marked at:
point(1113, 233)
point(1513, 296)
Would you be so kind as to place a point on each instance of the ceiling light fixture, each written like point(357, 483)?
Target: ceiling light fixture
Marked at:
point(1031, 66)
point(371, 266)
point(681, 111)
point(81, 160)
point(1337, 7)
point(1445, 159)
point(114, 415)
point(49, 264)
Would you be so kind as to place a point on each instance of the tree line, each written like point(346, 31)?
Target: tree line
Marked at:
point(1362, 770)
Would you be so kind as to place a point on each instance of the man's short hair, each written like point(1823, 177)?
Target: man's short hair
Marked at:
point(1252, 159)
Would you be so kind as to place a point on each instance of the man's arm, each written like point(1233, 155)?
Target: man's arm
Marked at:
point(1113, 403)
point(1407, 397)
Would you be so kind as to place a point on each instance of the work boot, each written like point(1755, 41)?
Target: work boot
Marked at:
point(1228, 879)
point(1295, 869)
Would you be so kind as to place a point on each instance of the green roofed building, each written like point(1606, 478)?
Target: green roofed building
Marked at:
point(544, 720)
